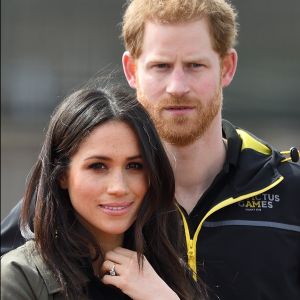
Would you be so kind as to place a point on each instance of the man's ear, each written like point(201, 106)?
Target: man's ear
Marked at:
point(129, 68)
point(229, 64)
point(63, 181)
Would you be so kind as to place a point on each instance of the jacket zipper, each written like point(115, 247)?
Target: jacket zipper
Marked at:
point(192, 242)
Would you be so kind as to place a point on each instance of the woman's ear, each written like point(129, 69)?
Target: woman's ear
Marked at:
point(63, 181)
point(229, 64)
point(129, 68)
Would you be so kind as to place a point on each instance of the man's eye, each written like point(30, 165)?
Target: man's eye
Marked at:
point(161, 66)
point(97, 166)
point(135, 165)
point(196, 65)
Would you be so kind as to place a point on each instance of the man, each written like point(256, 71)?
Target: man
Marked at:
point(238, 197)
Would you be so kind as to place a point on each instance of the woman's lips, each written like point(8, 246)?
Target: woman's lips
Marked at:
point(115, 209)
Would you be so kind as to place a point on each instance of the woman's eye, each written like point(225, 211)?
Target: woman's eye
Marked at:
point(97, 166)
point(135, 165)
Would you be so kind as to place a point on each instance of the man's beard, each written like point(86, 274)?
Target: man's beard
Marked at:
point(182, 130)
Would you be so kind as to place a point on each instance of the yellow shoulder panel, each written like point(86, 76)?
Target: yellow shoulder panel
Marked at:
point(252, 143)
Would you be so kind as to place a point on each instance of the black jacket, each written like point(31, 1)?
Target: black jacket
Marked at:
point(244, 232)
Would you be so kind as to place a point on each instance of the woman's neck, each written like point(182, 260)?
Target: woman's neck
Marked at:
point(107, 242)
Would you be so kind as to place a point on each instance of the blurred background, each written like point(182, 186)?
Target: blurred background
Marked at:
point(49, 48)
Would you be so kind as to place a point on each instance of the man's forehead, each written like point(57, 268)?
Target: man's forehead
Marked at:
point(155, 31)
point(163, 24)
point(163, 41)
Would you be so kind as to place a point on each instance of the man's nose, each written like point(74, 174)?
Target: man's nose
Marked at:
point(117, 184)
point(178, 83)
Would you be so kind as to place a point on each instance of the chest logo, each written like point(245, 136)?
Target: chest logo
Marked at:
point(260, 202)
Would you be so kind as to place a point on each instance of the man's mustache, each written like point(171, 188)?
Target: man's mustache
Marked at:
point(178, 102)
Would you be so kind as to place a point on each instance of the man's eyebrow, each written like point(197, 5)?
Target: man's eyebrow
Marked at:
point(158, 58)
point(196, 58)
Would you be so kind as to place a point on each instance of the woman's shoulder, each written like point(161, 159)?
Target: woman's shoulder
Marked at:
point(18, 258)
point(24, 275)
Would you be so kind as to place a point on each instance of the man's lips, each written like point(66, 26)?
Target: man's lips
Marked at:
point(179, 110)
point(179, 107)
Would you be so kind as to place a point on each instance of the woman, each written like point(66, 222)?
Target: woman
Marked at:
point(102, 191)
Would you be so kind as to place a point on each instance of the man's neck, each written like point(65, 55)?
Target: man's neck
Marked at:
point(195, 166)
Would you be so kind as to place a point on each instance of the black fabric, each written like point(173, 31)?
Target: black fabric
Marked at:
point(98, 290)
point(253, 259)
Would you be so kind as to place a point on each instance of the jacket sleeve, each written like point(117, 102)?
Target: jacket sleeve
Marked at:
point(11, 236)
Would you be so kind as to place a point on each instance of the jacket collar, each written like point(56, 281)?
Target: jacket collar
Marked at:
point(254, 163)
point(234, 143)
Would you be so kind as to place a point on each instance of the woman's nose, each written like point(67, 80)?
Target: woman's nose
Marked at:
point(117, 184)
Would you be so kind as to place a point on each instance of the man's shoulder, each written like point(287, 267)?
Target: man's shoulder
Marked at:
point(291, 174)
point(11, 236)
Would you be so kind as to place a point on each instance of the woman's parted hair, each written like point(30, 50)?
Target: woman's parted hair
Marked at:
point(221, 16)
point(62, 241)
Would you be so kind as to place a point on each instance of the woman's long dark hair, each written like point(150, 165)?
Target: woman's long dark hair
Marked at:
point(62, 241)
